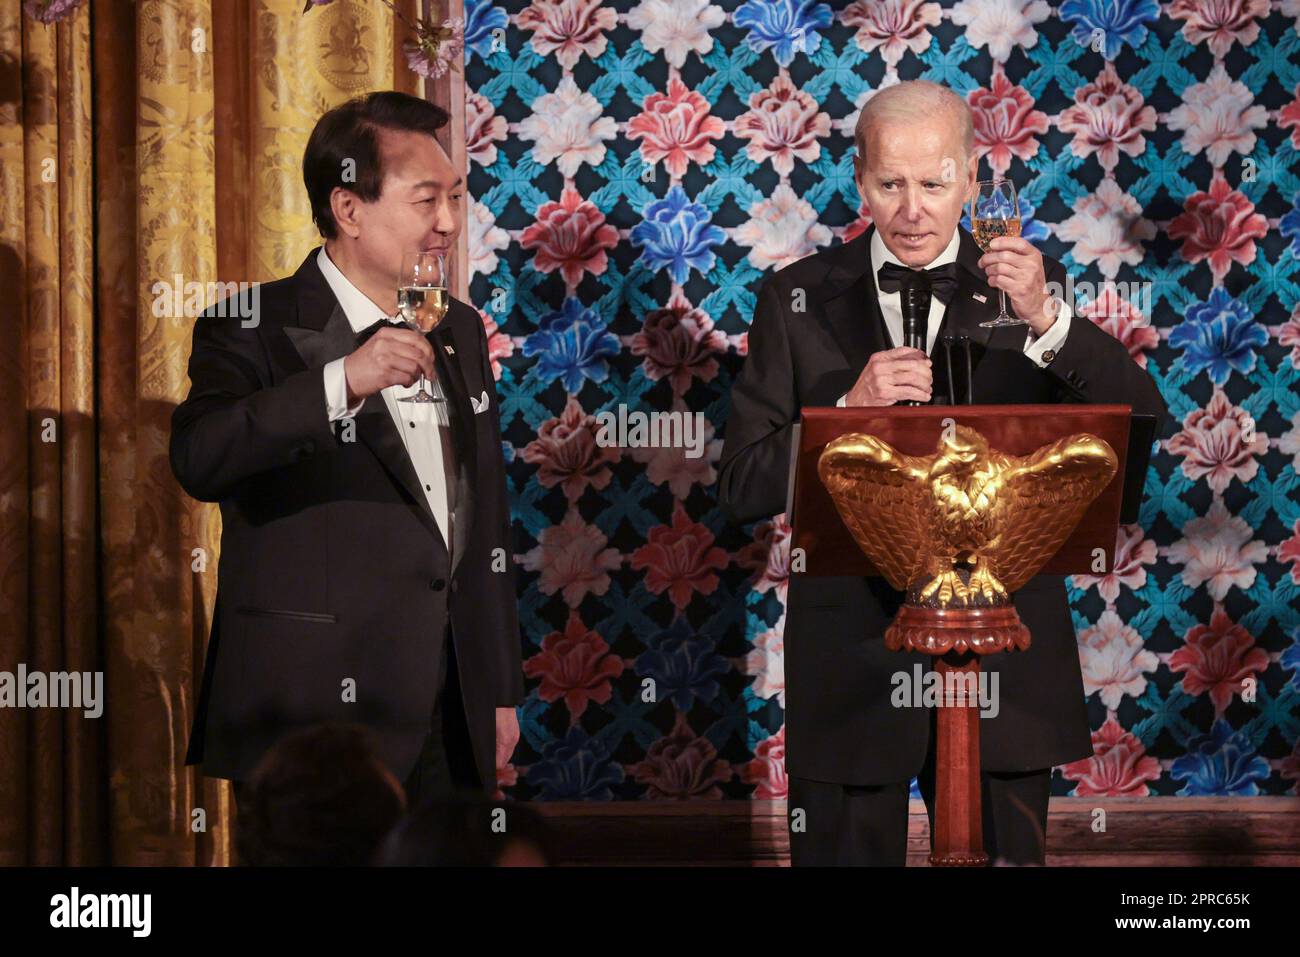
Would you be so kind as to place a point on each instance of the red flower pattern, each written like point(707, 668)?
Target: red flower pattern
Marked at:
point(570, 236)
point(1217, 658)
point(1119, 766)
point(680, 559)
point(1005, 122)
point(1220, 226)
point(676, 127)
point(575, 665)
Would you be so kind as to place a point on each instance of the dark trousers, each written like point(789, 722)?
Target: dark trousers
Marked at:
point(856, 825)
point(446, 761)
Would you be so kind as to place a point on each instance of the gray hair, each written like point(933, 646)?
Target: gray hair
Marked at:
point(905, 102)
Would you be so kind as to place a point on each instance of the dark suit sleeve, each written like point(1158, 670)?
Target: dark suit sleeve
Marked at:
point(233, 424)
point(1092, 366)
point(511, 684)
point(755, 466)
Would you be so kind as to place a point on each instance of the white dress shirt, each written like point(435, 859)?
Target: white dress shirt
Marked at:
point(891, 305)
point(423, 427)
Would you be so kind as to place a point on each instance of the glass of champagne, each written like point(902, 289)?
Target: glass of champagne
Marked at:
point(994, 212)
point(422, 303)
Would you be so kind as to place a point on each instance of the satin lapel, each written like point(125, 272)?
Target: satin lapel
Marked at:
point(316, 347)
point(322, 332)
point(462, 433)
point(849, 307)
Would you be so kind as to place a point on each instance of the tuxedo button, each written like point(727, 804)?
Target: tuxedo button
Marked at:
point(437, 584)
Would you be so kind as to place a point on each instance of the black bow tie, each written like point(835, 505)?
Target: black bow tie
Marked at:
point(375, 326)
point(942, 280)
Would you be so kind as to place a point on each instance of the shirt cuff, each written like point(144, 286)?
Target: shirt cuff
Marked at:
point(840, 403)
point(336, 392)
point(1053, 338)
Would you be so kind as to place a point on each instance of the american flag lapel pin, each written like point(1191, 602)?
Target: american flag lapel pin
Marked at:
point(979, 297)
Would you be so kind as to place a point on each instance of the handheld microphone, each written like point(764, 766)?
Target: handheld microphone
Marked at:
point(915, 301)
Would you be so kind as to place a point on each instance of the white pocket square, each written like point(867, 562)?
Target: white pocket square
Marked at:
point(480, 404)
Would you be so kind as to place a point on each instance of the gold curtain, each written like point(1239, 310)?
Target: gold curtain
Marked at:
point(139, 143)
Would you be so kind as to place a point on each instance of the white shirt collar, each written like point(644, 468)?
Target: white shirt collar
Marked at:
point(880, 253)
point(357, 306)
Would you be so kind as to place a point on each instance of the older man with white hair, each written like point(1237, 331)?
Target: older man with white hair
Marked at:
point(829, 330)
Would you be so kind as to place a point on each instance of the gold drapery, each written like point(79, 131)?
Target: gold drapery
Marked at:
point(139, 142)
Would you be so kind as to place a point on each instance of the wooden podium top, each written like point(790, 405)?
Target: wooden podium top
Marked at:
point(829, 549)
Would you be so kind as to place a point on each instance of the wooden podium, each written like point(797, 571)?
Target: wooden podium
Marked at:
point(958, 637)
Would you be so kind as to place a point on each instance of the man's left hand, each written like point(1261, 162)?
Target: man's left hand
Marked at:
point(1014, 265)
point(507, 735)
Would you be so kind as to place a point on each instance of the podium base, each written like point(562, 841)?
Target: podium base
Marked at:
point(958, 638)
point(938, 631)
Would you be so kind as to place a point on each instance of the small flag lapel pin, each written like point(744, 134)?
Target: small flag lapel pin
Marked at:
point(978, 297)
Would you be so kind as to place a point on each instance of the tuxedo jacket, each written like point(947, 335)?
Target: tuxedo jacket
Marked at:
point(333, 573)
point(840, 724)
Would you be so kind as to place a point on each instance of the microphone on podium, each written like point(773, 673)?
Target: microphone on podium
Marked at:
point(915, 302)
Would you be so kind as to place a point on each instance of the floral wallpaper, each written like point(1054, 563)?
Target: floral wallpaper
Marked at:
point(636, 170)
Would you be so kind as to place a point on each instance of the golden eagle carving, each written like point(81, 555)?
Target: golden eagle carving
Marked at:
point(921, 518)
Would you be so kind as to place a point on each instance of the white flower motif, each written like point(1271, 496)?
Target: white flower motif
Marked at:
point(566, 126)
point(1000, 24)
point(1217, 116)
point(485, 238)
point(781, 229)
point(849, 124)
point(1289, 442)
point(669, 463)
point(572, 559)
point(892, 26)
point(1114, 660)
point(767, 663)
point(1107, 228)
point(1217, 549)
point(483, 128)
point(677, 27)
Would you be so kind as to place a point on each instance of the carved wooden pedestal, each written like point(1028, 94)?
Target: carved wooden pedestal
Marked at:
point(957, 637)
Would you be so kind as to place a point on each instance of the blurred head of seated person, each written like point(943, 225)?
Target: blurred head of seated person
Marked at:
point(468, 831)
point(319, 797)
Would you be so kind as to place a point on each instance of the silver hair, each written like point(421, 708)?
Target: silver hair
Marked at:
point(904, 102)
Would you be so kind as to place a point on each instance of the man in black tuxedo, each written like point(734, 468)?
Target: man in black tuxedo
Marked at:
point(365, 571)
point(828, 330)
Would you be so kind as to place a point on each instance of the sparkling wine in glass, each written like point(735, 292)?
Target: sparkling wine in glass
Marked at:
point(994, 212)
point(422, 303)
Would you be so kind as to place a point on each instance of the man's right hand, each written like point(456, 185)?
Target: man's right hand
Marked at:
point(391, 356)
point(891, 376)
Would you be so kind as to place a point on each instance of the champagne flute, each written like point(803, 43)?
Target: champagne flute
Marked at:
point(422, 303)
point(994, 212)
